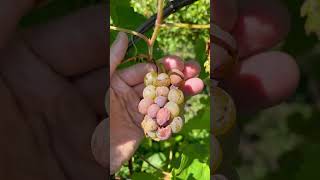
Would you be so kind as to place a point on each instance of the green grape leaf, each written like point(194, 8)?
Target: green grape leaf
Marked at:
point(195, 170)
point(202, 57)
point(194, 161)
point(123, 15)
point(311, 10)
point(158, 160)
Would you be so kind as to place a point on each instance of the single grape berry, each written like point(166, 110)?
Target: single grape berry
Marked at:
point(153, 110)
point(163, 116)
point(225, 111)
point(163, 80)
point(149, 92)
point(162, 91)
point(144, 105)
point(161, 100)
point(173, 108)
point(176, 95)
point(164, 133)
point(176, 77)
point(150, 78)
point(152, 134)
point(176, 124)
point(149, 124)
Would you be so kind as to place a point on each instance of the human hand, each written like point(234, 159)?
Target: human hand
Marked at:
point(125, 93)
point(52, 86)
point(263, 77)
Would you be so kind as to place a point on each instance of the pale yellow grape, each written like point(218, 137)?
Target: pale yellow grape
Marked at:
point(149, 124)
point(176, 124)
point(162, 91)
point(152, 135)
point(173, 108)
point(224, 112)
point(150, 78)
point(176, 95)
point(149, 92)
point(163, 79)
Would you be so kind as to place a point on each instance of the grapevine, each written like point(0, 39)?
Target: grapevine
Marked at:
point(163, 98)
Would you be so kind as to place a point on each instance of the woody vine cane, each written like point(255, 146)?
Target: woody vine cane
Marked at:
point(224, 56)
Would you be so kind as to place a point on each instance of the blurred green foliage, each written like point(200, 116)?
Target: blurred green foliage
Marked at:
point(311, 9)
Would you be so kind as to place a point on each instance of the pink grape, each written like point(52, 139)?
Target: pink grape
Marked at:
point(164, 133)
point(173, 62)
point(153, 110)
point(191, 69)
point(192, 86)
point(161, 100)
point(162, 91)
point(176, 77)
point(144, 105)
point(163, 116)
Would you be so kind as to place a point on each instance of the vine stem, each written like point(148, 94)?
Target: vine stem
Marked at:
point(158, 169)
point(136, 57)
point(184, 25)
point(145, 160)
point(145, 38)
point(156, 27)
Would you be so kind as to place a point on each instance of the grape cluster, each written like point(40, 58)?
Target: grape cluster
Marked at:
point(162, 104)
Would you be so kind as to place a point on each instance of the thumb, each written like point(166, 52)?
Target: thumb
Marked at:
point(118, 51)
point(99, 144)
